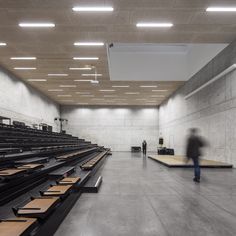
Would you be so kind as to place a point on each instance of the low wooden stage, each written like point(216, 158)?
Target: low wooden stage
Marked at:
point(179, 161)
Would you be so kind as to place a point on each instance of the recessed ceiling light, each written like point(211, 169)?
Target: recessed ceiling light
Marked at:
point(120, 86)
point(25, 68)
point(23, 58)
point(64, 95)
point(107, 90)
point(55, 90)
point(67, 86)
point(58, 75)
point(93, 9)
point(154, 25)
point(37, 25)
point(148, 86)
point(85, 58)
point(3, 44)
point(99, 75)
point(132, 93)
point(81, 44)
point(80, 68)
point(37, 80)
point(82, 80)
point(82, 92)
point(160, 90)
point(221, 9)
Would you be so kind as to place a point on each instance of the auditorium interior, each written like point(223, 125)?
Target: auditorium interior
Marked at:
point(117, 117)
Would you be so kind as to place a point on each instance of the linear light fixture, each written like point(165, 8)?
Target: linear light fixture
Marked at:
point(148, 86)
point(154, 25)
point(82, 92)
point(120, 86)
point(107, 90)
point(141, 99)
point(80, 68)
point(23, 58)
point(160, 90)
point(3, 44)
point(86, 58)
point(37, 80)
point(64, 95)
point(93, 9)
point(82, 80)
point(132, 93)
point(98, 99)
point(67, 86)
point(55, 90)
point(37, 25)
point(25, 68)
point(221, 9)
point(98, 75)
point(85, 44)
point(58, 75)
point(217, 77)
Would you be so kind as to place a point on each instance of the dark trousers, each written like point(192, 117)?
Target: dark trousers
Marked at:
point(144, 151)
point(197, 171)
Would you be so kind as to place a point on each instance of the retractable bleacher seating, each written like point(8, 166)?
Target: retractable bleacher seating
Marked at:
point(52, 166)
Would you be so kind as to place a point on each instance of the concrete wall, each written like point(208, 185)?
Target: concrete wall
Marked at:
point(116, 128)
point(23, 103)
point(213, 110)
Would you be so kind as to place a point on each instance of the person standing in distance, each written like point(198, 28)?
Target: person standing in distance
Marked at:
point(144, 146)
point(193, 151)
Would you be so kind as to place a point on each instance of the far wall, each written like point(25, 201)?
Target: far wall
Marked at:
point(23, 103)
point(115, 128)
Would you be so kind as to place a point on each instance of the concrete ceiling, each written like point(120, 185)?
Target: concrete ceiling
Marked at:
point(54, 47)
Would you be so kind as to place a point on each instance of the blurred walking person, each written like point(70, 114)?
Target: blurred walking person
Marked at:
point(144, 147)
point(193, 152)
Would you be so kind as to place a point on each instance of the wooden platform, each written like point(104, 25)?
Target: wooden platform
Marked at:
point(17, 226)
point(179, 161)
point(11, 172)
point(69, 180)
point(30, 167)
point(38, 207)
point(57, 190)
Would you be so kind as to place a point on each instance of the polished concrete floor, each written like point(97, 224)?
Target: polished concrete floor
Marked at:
point(140, 197)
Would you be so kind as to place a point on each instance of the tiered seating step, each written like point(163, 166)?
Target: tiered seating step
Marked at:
point(73, 154)
point(91, 163)
point(38, 207)
point(17, 227)
point(62, 172)
point(36, 160)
